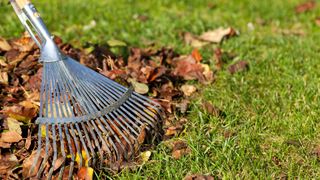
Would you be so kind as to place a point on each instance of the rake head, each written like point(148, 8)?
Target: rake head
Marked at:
point(85, 119)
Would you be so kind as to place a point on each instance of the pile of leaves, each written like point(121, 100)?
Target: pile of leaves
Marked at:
point(162, 74)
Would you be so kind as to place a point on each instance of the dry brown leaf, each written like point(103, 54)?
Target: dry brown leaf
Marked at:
point(218, 58)
point(28, 162)
point(217, 35)
point(207, 73)
point(187, 68)
point(198, 177)
point(24, 112)
point(180, 148)
point(23, 44)
point(193, 41)
point(4, 78)
point(211, 109)
point(85, 173)
point(238, 67)
point(188, 90)
point(28, 141)
point(4, 45)
point(7, 162)
point(142, 135)
point(5, 145)
point(58, 163)
point(304, 7)
point(10, 137)
point(14, 125)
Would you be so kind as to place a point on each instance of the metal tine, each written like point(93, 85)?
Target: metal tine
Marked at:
point(96, 142)
point(56, 101)
point(117, 121)
point(110, 94)
point(106, 87)
point(68, 114)
point(83, 92)
point(70, 151)
point(86, 134)
point(121, 132)
point(111, 132)
point(102, 98)
point(62, 151)
point(90, 128)
point(60, 95)
point(90, 96)
point(77, 111)
point(55, 151)
point(76, 142)
point(42, 94)
point(49, 89)
point(45, 159)
point(107, 84)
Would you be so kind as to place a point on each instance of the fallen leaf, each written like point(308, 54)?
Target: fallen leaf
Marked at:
point(198, 177)
point(7, 162)
point(28, 162)
point(207, 73)
point(218, 58)
point(28, 141)
point(114, 42)
point(187, 68)
point(188, 90)
point(196, 55)
point(3, 62)
point(306, 6)
point(145, 156)
point(14, 125)
point(5, 145)
point(193, 41)
point(238, 67)
point(4, 78)
point(173, 130)
point(85, 173)
point(142, 135)
point(183, 106)
point(24, 112)
point(4, 45)
point(140, 88)
point(217, 35)
point(23, 44)
point(211, 109)
point(180, 148)
point(10, 137)
point(58, 163)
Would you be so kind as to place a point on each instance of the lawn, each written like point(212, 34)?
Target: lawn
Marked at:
point(271, 110)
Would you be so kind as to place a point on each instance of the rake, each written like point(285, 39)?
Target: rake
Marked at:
point(85, 119)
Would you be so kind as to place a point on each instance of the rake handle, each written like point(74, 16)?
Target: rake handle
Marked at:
point(22, 3)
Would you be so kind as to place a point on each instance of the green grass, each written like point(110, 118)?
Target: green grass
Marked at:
point(276, 101)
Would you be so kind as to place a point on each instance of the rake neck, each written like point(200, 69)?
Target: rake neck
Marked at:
point(35, 26)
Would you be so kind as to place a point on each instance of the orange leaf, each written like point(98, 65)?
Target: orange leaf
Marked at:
point(196, 55)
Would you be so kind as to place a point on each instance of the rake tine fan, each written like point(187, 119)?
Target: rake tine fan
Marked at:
point(85, 119)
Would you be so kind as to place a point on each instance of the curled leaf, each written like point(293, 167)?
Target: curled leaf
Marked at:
point(10, 137)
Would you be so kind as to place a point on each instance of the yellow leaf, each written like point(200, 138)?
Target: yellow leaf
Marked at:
point(145, 156)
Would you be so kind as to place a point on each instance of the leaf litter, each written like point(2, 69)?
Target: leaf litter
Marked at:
point(162, 74)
